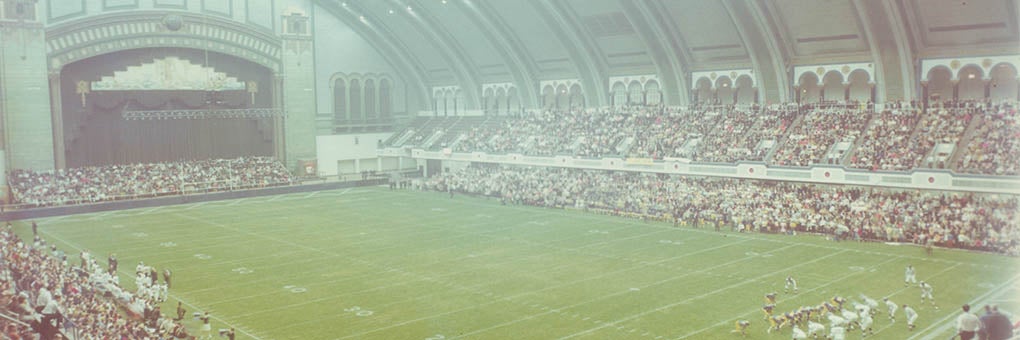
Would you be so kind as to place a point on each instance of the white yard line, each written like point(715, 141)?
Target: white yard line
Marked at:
point(671, 305)
point(840, 279)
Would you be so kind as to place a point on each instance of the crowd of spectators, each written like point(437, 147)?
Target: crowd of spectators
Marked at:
point(887, 144)
point(899, 137)
point(964, 220)
point(39, 288)
point(820, 129)
point(994, 148)
point(104, 183)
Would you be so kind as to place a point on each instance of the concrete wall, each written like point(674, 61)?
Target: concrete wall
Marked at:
point(354, 152)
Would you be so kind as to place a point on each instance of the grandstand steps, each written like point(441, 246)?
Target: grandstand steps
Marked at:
point(968, 136)
point(845, 161)
point(781, 143)
point(623, 147)
point(432, 139)
point(402, 138)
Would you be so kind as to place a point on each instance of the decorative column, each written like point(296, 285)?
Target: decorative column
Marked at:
point(873, 90)
point(924, 95)
point(956, 89)
point(298, 71)
point(988, 87)
point(796, 89)
point(28, 122)
point(58, 121)
point(846, 91)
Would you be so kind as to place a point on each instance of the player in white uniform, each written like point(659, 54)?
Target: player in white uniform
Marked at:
point(911, 316)
point(892, 306)
point(909, 276)
point(926, 293)
point(866, 321)
point(850, 317)
point(835, 320)
point(871, 303)
point(790, 284)
point(799, 334)
point(837, 333)
point(815, 329)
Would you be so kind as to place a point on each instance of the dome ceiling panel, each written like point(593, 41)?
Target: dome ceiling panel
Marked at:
point(820, 27)
point(471, 39)
point(615, 35)
point(708, 30)
point(957, 23)
point(436, 68)
point(528, 26)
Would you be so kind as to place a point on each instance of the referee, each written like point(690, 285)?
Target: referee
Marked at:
point(967, 324)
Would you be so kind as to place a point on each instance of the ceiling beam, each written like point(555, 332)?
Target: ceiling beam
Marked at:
point(583, 51)
point(515, 55)
point(759, 40)
point(464, 69)
point(892, 57)
point(659, 44)
point(387, 46)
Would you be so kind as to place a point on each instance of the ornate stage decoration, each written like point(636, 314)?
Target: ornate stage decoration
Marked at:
point(83, 89)
point(253, 88)
point(168, 74)
point(203, 114)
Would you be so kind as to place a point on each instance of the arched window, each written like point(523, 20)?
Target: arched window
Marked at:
point(833, 86)
point(370, 100)
point(385, 99)
point(704, 90)
point(724, 90)
point(513, 103)
point(810, 91)
point(499, 105)
point(635, 93)
point(1004, 82)
point(972, 85)
point(653, 93)
point(339, 100)
point(357, 111)
point(576, 96)
point(619, 94)
point(860, 90)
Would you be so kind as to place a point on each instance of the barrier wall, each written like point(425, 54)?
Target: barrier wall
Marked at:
point(178, 199)
point(917, 179)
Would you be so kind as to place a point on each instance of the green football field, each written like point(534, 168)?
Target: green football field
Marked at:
point(369, 263)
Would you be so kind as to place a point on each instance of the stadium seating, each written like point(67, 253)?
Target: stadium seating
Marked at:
point(105, 183)
point(962, 220)
point(29, 267)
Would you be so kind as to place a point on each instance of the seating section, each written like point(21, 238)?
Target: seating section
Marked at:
point(808, 143)
point(994, 146)
point(889, 142)
point(898, 138)
point(951, 219)
point(105, 183)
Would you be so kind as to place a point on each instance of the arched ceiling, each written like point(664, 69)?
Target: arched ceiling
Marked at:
point(474, 42)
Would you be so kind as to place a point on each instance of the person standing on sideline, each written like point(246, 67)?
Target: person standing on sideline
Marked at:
point(206, 327)
point(180, 311)
point(967, 324)
point(167, 274)
point(35, 229)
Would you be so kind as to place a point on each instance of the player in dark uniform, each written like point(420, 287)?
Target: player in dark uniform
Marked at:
point(771, 298)
point(741, 327)
point(767, 310)
point(180, 311)
point(112, 263)
point(230, 334)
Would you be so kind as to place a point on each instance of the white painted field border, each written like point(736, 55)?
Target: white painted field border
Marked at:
point(124, 272)
point(945, 325)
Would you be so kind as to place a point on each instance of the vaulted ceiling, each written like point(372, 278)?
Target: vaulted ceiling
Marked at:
point(474, 42)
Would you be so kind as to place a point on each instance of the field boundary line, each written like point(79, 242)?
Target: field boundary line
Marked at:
point(943, 324)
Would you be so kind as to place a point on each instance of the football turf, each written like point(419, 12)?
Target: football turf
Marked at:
point(369, 263)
